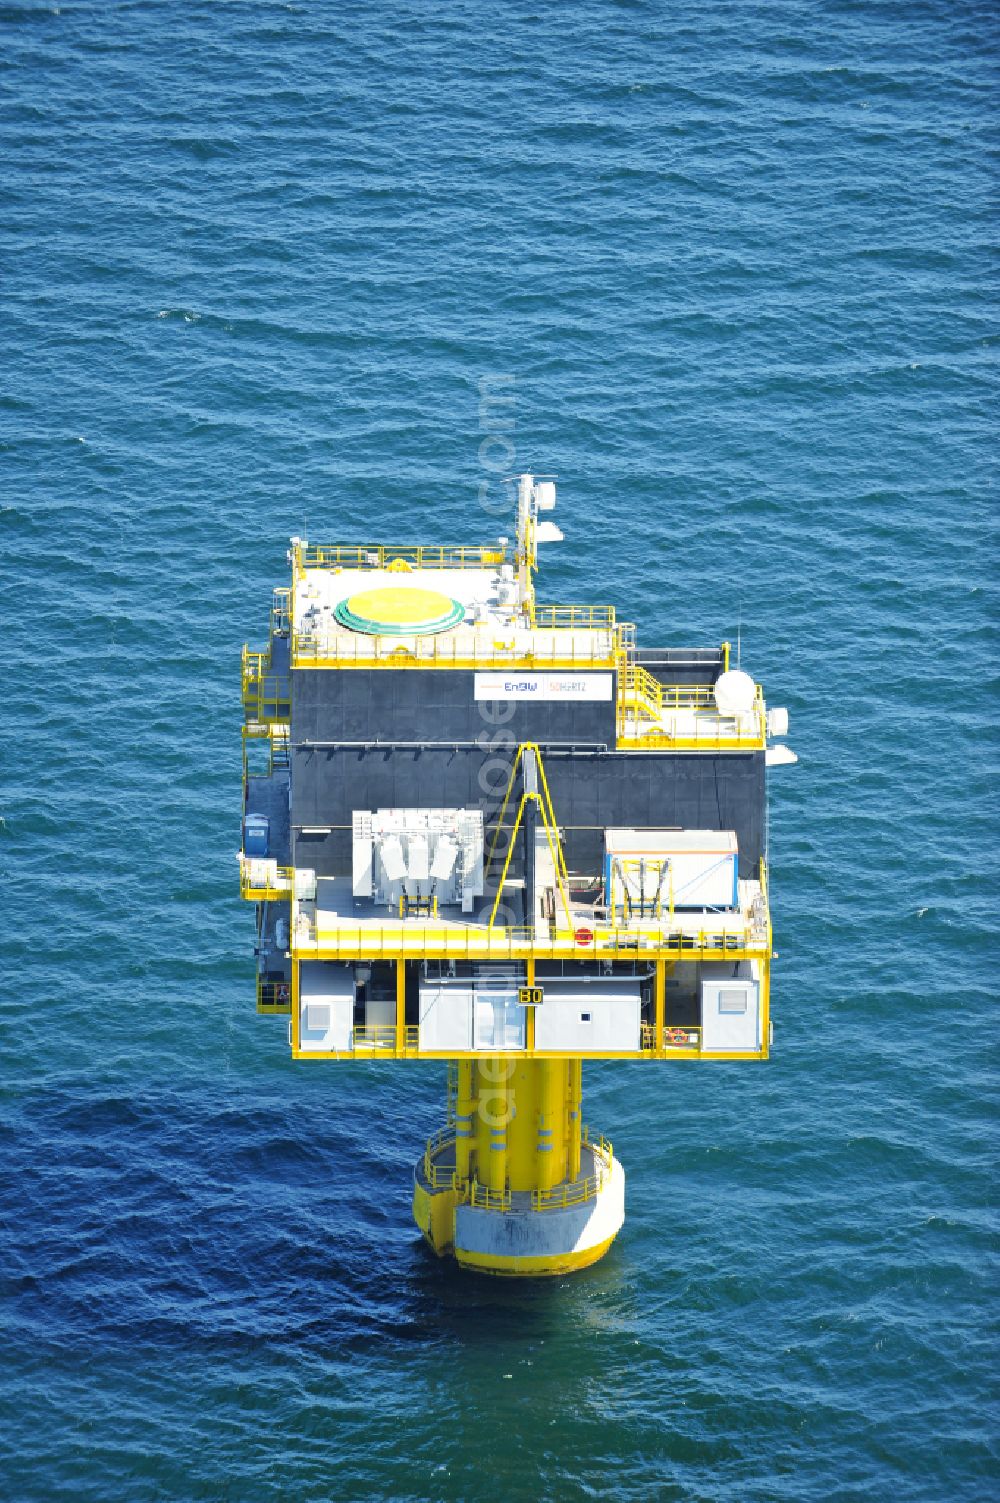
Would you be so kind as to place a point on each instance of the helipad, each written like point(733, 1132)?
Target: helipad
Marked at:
point(399, 610)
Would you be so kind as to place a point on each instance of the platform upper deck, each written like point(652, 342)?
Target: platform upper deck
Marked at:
point(498, 621)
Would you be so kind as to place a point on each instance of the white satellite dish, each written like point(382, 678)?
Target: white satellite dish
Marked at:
point(548, 532)
point(735, 693)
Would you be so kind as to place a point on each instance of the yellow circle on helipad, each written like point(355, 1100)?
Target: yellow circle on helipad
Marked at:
point(397, 610)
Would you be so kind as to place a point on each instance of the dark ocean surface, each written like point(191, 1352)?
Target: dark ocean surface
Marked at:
point(256, 260)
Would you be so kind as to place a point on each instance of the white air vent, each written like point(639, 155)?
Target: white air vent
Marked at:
point(316, 1017)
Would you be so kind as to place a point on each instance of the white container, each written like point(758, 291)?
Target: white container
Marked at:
point(593, 1016)
point(326, 1002)
point(730, 1009)
point(703, 864)
point(445, 1017)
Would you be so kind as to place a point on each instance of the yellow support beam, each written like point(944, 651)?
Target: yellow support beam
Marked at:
point(400, 1005)
point(574, 1102)
point(296, 1010)
point(503, 811)
point(506, 865)
point(465, 1107)
point(547, 806)
point(522, 1132)
point(529, 1012)
point(492, 1117)
point(551, 1146)
point(660, 1004)
point(543, 802)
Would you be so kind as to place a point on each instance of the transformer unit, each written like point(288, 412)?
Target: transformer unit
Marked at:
point(411, 857)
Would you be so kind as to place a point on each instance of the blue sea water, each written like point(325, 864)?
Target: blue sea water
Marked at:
point(257, 260)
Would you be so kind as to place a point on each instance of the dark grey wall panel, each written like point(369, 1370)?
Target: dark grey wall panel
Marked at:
point(418, 704)
point(662, 790)
point(681, 665)
point(589, 793)
point(328, 784)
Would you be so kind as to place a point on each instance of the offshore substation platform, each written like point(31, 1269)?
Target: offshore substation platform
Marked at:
point(497, 833)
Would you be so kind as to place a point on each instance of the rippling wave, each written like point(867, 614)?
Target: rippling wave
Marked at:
point(258, 258)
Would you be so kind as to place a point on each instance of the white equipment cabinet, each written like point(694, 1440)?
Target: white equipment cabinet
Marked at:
point(731, 1019)
point(445, 1016)
point(326, 1005)
point(595, 1015)
point(481, 1013)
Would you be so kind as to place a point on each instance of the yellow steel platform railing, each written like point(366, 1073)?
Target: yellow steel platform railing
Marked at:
point(385, 556)
point(578, 1191)
point(675, 1039)
point(374, 1036)
point(430, 941)
point(644, 704)
point(574, 617)
point(263, 881)
point(253, 669)
point(273, 997)
point(766, 904)
point(384, 1038)
point(277, 734)
point(265, 697)
point(487, 1200)
point(281, 602)
point(639, 691)
point(440, 1176)
point(571, 1193)
point(481, 646)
